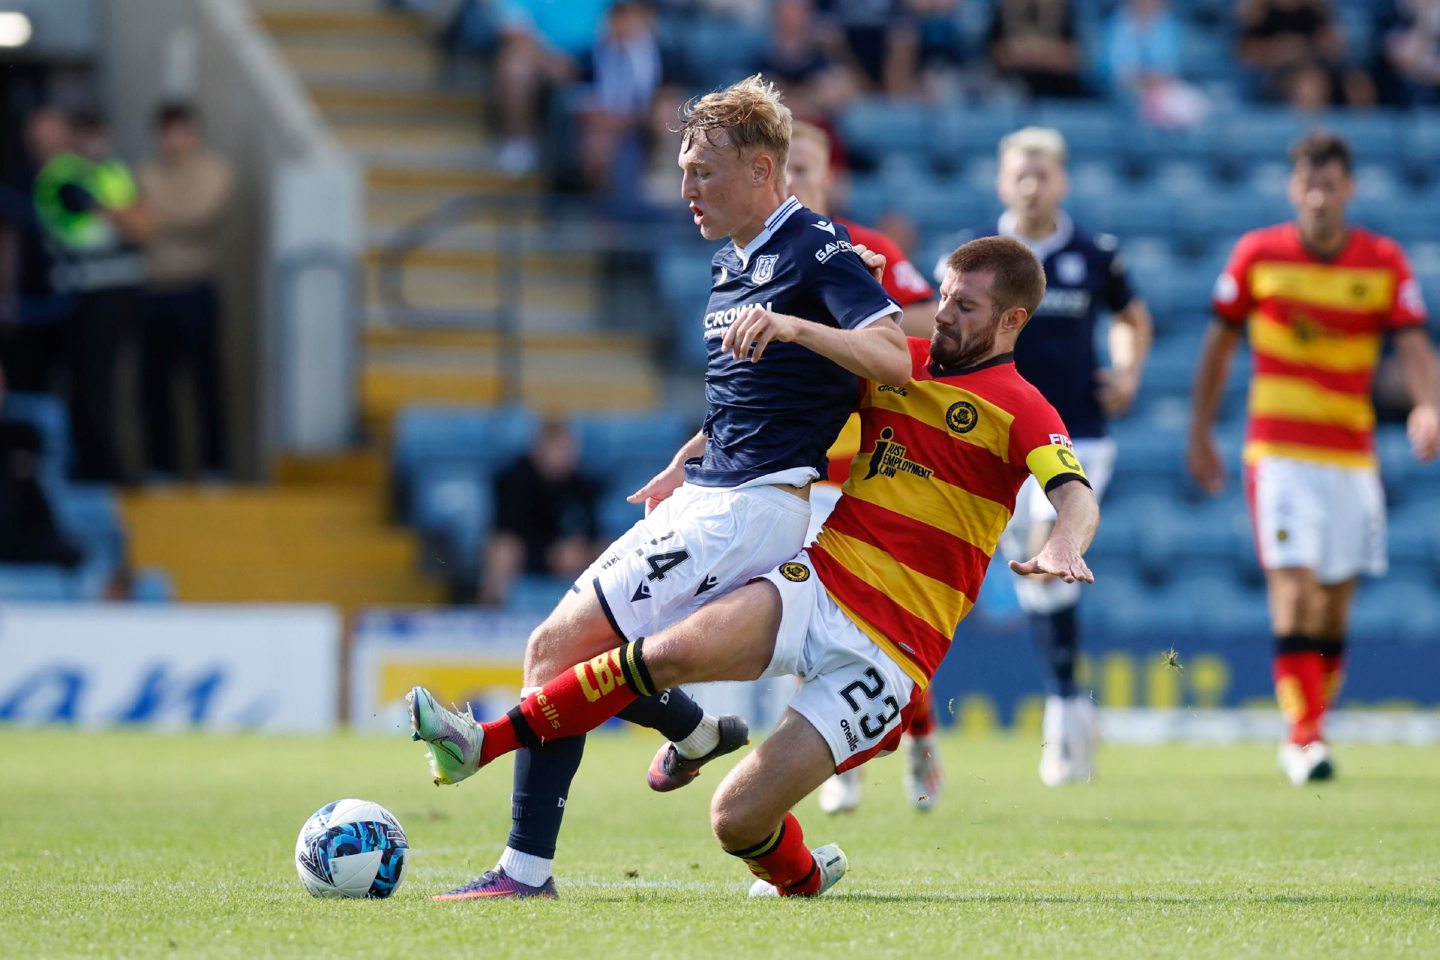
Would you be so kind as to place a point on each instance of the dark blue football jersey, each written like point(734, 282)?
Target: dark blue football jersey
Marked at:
point(783, 412)
point(1056, 351)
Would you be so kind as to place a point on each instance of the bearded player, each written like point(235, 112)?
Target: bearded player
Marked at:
point(812, 181)
point(865, 615)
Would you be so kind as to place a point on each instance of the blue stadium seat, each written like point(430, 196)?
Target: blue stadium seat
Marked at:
point(1226, 611)
point(454, 506)
point(875, 129)
point(1259, 135)
point(1091, 130)
point(1374, 136)
point(89, 514)
point(484, 438)
point(971, 133)
point(1420, 145)
point(1398, 467)
point(614, 442)
point(20, 582)
point(1179, 543)
point(152, 585)
point(47, 414)
point(535, 595)
point(1395, 609)
point(718, 50)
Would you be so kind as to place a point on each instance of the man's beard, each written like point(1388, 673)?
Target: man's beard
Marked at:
point(947, 350)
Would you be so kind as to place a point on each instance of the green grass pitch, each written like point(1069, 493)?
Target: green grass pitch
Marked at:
point(130, 845)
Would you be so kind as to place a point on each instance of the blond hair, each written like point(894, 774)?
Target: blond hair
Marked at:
point(750, 113)
point(1042, 141)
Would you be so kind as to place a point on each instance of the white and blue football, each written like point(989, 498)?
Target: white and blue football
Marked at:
point(351, 848)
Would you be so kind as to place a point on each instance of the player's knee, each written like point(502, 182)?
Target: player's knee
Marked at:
point(730, 818)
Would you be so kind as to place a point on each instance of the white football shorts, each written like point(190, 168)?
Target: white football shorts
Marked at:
point(698, 544)
point(1319, 516)
point(851, 691)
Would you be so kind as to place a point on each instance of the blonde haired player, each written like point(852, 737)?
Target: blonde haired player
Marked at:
point(794, 318)
point(1315, 297)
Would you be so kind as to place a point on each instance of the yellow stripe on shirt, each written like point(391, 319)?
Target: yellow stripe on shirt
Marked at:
point(964, 415)
point(932, 501)
point(1355, 289)
point(938, 604)
point(1339, 353)
point(1292, 398)
point(1257, 449)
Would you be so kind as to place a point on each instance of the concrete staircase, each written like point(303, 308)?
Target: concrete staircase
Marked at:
point(376, 76)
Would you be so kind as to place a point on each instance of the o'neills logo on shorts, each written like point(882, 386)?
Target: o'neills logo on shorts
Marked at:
point(795, 572)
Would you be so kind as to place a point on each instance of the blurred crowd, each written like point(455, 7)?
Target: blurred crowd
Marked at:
point(108, 281)
point(610, 73)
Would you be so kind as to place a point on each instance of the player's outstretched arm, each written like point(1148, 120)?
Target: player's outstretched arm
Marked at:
point(667, 481)
point(1417, 366)
point(877, 352)
point(1077, 519)
point(1202, 456)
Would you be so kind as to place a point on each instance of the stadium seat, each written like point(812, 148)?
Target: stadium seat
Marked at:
point(21, 582)
point(1419, 145)
point(876, 129)
point(535, 595)
point(454, 508)
point(958, 136)
point(1091, 130)
point(484, 438)
point(617, 441)
point(89, 515)
point(47, 414)
point(152, 585)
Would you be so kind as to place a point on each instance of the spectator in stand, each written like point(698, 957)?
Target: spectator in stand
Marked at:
point(940, 57)
point(1279, 38)
point(28, 533)
point(90, 208)
point(545, 516)
point(1411, 30)
point(1142, 48)
point(543, 44)
point(627, 73)
point(876, 39)
point(1034, 43)
point(31, 328)
point(815, 86)
point(187, 188)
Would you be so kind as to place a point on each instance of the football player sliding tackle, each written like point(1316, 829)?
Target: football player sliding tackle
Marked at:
point(866, 614)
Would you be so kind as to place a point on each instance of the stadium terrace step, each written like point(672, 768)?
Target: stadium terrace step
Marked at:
point(407, 106)
point(452, 180)
point(340, 17)
point(223, 545)
point(418, 133)
point(366, 468)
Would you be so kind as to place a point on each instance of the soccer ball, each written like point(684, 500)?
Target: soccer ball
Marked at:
point(351, 848)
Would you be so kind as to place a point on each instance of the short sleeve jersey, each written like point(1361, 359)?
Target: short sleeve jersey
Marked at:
point(782, 413)
point(1315, 328)
point(933, 486)
point(1084, 275)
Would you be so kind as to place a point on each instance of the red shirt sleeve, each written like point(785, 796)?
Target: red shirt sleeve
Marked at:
point(902, 281)
point(1231, 298)
point(1408, 308)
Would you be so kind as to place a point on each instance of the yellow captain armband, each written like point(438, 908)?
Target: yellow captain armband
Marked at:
point(1055, 463)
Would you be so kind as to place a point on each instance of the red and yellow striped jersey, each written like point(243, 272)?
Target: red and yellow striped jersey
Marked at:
point(930, 490)
point(1315, 329)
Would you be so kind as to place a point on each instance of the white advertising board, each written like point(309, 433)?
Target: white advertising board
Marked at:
point(179, 667)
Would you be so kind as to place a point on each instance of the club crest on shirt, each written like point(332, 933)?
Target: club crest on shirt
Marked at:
point(962, 416)
point(764, 268)
point(795, 572)
point(1070, 269)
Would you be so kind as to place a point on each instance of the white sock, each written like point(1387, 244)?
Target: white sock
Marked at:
point(528, 869)
point(705, 738)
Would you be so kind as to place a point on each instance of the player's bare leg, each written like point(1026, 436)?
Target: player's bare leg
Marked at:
point(1309, 621)
point(923, 778)
point(750, 812)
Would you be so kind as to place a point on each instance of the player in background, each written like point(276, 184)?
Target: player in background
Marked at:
point(812, 179)
point(1315, 297)
point(1084, 276)
point(865, 614)
point(794, 317)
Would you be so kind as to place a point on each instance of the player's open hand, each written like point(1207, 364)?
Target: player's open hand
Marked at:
point(660, 487)
point(1116, 390)
point(754, 330)
point(874, 262)
point(1423, 429)
point(1207, 468)
point(1057, 558)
